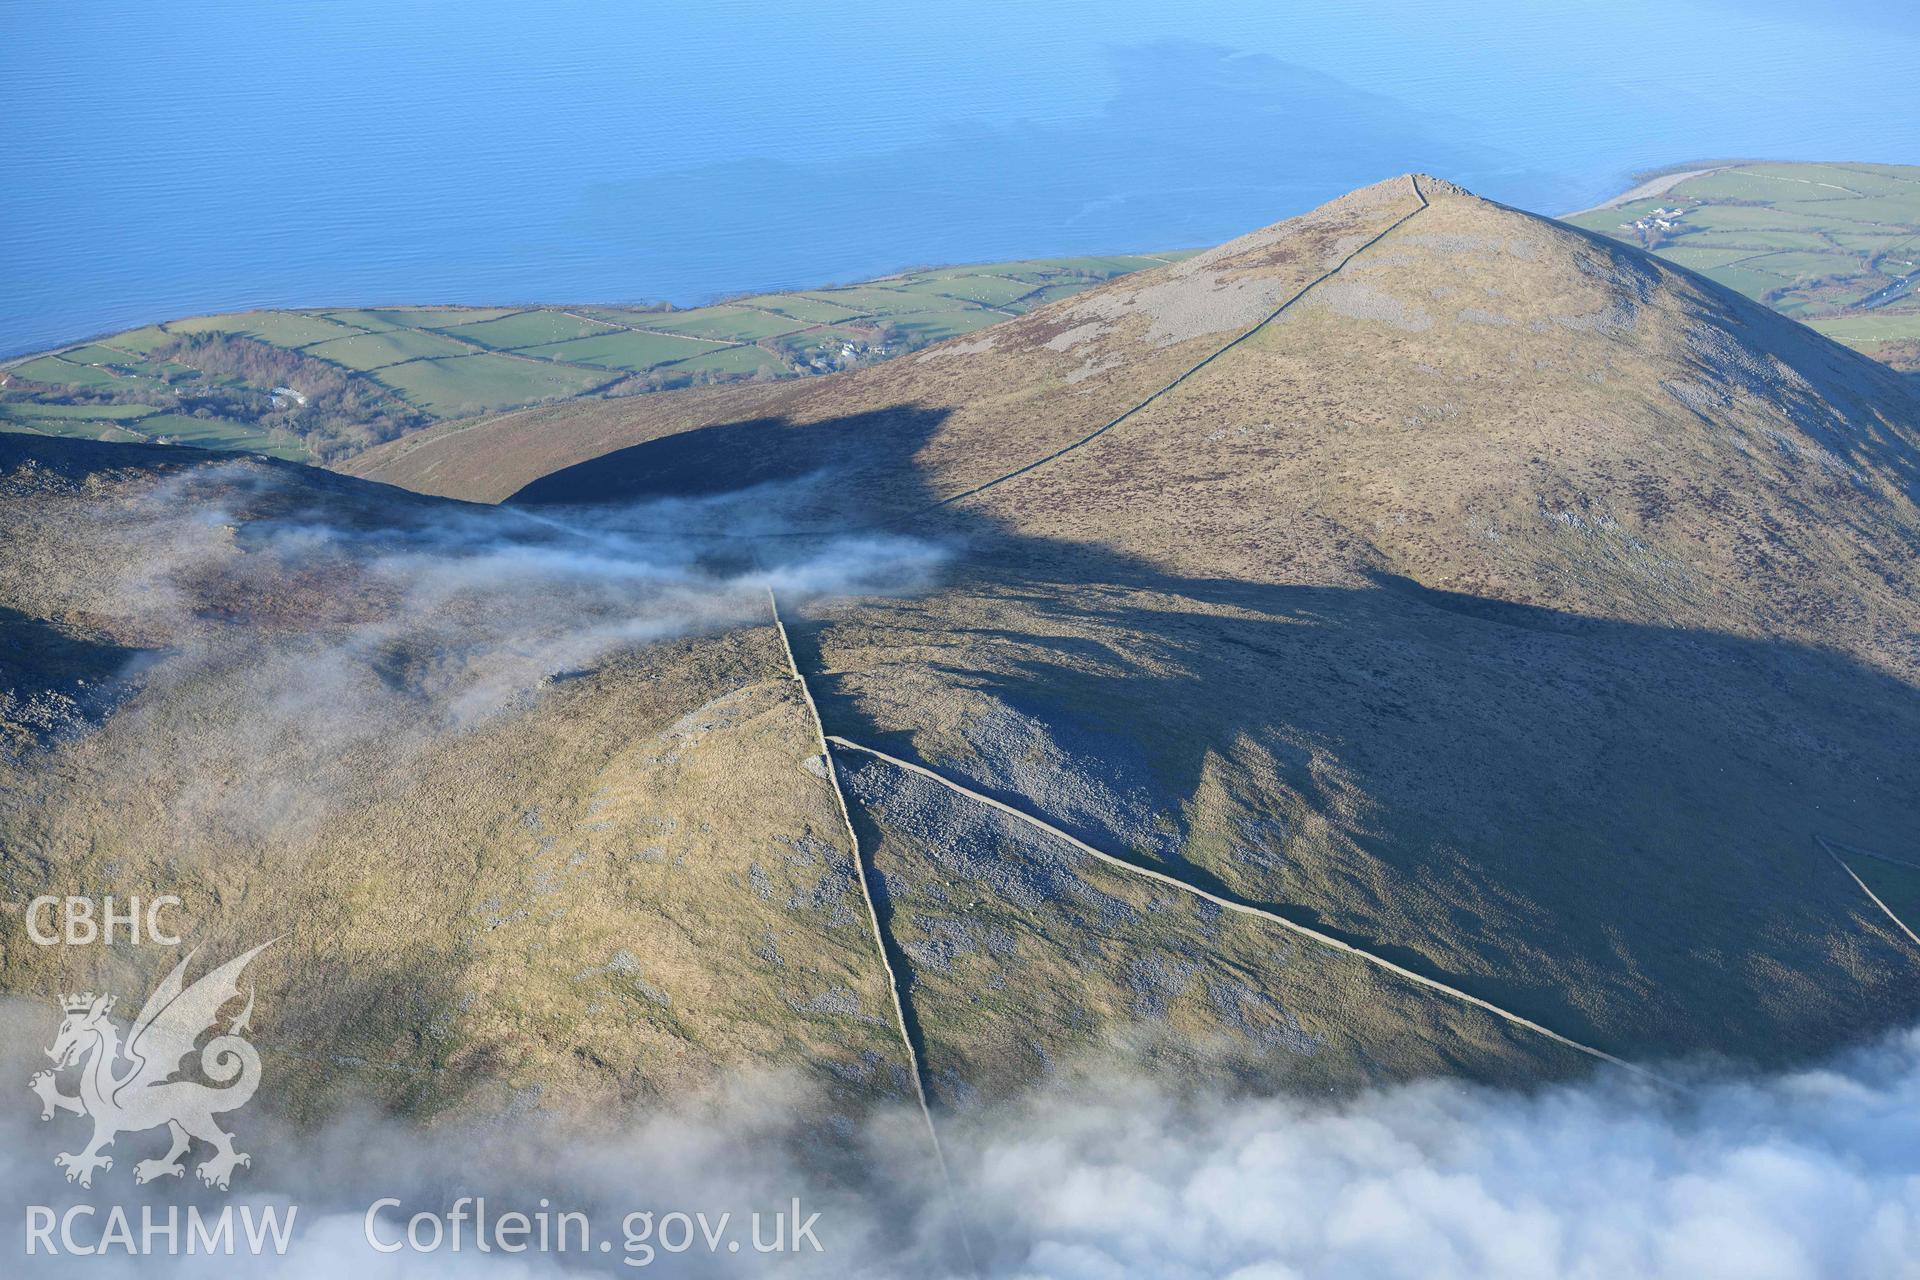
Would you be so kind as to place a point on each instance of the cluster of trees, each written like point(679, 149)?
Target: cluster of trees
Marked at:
point(344, 412)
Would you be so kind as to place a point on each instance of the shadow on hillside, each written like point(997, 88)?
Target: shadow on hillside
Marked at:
point(31, 457)
point(867, 459)
point(1604, 826)
point(52, 681)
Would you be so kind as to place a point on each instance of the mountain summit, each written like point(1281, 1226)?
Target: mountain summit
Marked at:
point(1408, 362)
point(1416, 637)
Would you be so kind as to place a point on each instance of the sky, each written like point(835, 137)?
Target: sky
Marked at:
point(239, 154)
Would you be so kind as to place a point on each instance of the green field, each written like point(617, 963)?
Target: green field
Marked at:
point(891, 301)
point(59, 371)
point(384, 318)
point(94, 353)
point(936, 326)
point(212, 433)
point(474, 384)
point(147, 423)
point(28, 412)
point(369, 351)
point(742, 361)
point(1836, 246)
point(1872, 328)
point(727, 324)
point(277, 328)
point(635, 352)
point(808, 310)
point(140, 342)
point(990, 291)
point(526, 329)
point(422, 365)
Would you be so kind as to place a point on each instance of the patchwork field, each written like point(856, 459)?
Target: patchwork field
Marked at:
point(323, 385)
point(1835, 246)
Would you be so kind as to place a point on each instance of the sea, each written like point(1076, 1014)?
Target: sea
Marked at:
point(161, 161)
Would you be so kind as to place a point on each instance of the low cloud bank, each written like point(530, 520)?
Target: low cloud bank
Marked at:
point(311, 633)
point(1815, 1173)
point(1810, 1174)
point(466, 607)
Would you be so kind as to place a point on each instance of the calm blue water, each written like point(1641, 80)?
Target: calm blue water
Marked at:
point(167, 160)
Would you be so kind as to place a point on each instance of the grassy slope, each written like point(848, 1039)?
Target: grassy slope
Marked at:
point(458, 362)
point(622, 884)
point(1828, 244)
point(1507, 663)
point(1535, 658)
point(617, 887)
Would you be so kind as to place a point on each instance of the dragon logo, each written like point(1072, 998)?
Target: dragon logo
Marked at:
point(145, 1095)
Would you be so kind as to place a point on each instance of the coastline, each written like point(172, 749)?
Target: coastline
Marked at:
point(1655, 186)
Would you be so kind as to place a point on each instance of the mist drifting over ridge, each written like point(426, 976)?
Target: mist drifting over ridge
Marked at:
point(492, 600)
point(324, 628)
